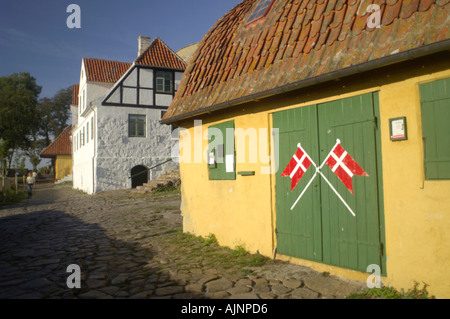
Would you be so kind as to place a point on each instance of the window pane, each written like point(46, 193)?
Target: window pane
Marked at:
point(141, 129)
point(260, 9)
point(164, 82)
point(168, 87)
point(132, 125)
point(136, 125)
point(159, 84)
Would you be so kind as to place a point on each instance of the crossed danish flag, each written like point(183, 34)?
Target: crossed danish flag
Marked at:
point(338, 160)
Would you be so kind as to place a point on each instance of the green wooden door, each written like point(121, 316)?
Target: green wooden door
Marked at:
point(299, 230)
point(336, 237)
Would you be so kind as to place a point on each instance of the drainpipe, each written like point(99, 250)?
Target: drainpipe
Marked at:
point(95, 148)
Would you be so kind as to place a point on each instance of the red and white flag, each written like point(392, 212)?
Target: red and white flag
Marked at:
point(297, 166)
point(344, 166)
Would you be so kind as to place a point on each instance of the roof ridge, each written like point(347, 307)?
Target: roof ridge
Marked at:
point(105, 60)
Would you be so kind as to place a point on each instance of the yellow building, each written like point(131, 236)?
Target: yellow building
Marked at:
point(317, 132)
point(60, 150)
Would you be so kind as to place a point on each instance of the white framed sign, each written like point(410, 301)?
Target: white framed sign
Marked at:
point(397, 128)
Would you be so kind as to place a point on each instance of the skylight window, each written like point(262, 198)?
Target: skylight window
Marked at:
point(261, 10)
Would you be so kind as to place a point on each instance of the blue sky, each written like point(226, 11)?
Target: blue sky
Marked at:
point(34, 36)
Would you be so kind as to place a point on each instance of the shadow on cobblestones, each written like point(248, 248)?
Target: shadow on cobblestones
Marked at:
point(132, 246)
point(37, 247)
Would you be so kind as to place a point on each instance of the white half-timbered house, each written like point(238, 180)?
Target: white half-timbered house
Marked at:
point(116, 128)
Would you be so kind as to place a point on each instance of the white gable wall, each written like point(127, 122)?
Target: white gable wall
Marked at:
point(83, 154)
point(105, 160)
point(117, 153)
point(89, 91)
point(83, 147)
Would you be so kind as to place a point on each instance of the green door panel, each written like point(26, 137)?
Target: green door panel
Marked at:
point(299, 230)
point(320, 227)
point(350, 241)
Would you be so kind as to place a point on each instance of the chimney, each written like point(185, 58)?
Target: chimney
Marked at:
point(143, 43)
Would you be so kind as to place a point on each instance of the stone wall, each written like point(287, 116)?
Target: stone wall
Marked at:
point(117, 153)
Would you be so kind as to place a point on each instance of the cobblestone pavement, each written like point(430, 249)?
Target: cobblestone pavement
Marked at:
point(131, 246)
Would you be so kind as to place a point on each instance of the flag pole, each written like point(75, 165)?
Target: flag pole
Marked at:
point(338, 141)
point(306, 187)
point(336, 192)
point(310, 181)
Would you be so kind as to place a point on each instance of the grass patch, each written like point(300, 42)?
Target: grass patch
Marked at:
point(206, 250)
point(239, 251)
point(167, 190)
point(12, 198)
point(210, 240)
point(391, 293)
point(68, 183)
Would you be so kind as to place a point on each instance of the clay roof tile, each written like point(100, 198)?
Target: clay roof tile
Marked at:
point(300, 39)
point(60, 146)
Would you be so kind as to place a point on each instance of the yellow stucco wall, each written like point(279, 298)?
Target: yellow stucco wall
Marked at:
point(63, 166)
point(236, 211)
point(416, 212)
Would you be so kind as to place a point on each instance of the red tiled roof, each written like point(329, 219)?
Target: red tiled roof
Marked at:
point(160, 55)
point(60, 146)
point(300, 40)
point(104, 71)
point(76, 89)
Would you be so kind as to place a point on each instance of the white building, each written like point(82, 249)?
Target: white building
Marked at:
point(116, 124)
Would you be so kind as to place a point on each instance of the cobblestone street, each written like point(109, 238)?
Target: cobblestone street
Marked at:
point(131, 246)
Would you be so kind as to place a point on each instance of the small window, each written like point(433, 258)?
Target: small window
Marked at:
point(83, 102)
point(162, 113)
point(221, 154)
point(435, 107)
point(164, 82)
point(87, 132)
point(82, 137)
point(261, 10)
point(92, 129)
point(136, 125)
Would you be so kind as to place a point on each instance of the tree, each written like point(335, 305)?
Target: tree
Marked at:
point(61, 110)
point(54, 113)
point(18, 117)
point(44, 107)
point(37, 145)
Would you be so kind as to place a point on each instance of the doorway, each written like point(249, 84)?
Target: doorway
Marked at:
point(139, 176)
